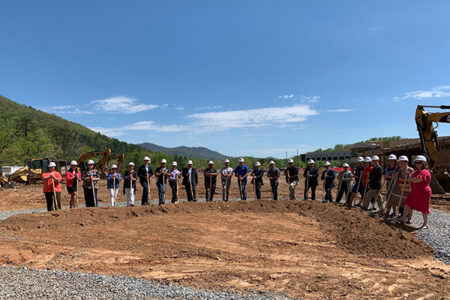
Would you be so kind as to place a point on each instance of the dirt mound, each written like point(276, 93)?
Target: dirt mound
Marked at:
point(348, 229)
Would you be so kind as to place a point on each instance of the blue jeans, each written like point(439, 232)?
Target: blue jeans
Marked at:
point(243, 185)
point(275, 190)
point(328, 195)
point(144, 192)
point(160, 193)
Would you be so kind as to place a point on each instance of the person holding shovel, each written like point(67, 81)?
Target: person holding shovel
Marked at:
point(226, 173)
point(210, 181)
point(90, 179)
point(190, 181)
point(400, 188)
point(345, 183)
point(175, 174)
point(358, 187)
point(113, 182)
point(311, 175)
point(73, 175)
point(52, 187)
point(242, 172)
point(273, 173)
point(257, 179)
point(291, 174)
point(328, 177)
point(161, 174)
point(129, 184)
point(145, 172)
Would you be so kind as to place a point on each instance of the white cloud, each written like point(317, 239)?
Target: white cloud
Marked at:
point(112, 132)
point(253, 118)
point(122, 104)
point(442, 91)
point(208, 107)
point(67, 110)
point(300, 98)
point(340, 110)
point(139, 126)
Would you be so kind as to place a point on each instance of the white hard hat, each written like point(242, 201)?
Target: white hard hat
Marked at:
point(392, 157)
point(146, 158)
point(114, 167)
point(131, 163)
point(290, 160)
point(367, 159)
point(174, 163)
point(189, 162)
point(327, 163)
point(345, 165)
point(360, 159)
point(90, 162)
point(164, 161)
point(271, 162)
point(403, 158)
point(227, 160)
point(51, 164)
point(311, 161)
point(241, 159)
point(73, 163)
point(210, 162)
point(257, 164)
point(375, 157)
point(421, 158)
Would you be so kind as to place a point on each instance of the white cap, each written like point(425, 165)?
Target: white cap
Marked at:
point(164, 161)
point(114, 167)
point(257, 164)
point(241, 159)
point(327, 163)
point(174, 163)
point(146, 158)
point(90, 162)
point(189, 162)
point(290, 160)
point(420, 158)
point(210, 162)
point(392, 157)
point(403, 158)
point(367, 159)
point(51, 164)
point(375, 157)
point(73, 163)
point(131, 163)
point(311, 161)
point(360, 159)
point(345, 165)
point(271, 162)
point(227, 160)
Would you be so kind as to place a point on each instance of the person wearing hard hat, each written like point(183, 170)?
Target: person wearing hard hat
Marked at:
point(389, 173)
point(273, 173)
point(257, 179)
point(210, 181)
point(225, 174)
point(345, 183)
point(311, 175)
point(129, 184)
point(420, 197)
point(400, 189)
point(328, 176)
point(175, 174)
point(291, 174)
point(161, 173)
point(374, 185)
point(90, 179)
point(52, 187)
point(190, 181)
point(113, 183)
point(242, 172)
point(145, 172)
point(73, 175)
point(358, 187)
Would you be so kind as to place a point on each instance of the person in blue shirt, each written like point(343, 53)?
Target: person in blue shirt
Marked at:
point(242, 172)
point(113, 182)
point(328, 176)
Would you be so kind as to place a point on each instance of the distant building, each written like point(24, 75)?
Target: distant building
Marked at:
point(329, 156)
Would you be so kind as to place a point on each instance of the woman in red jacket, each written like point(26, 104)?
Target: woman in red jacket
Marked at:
point(72, 177)
point(420, 196)
point(52, 187)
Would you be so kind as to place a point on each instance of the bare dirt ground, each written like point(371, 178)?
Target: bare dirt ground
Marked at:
point(305, 249)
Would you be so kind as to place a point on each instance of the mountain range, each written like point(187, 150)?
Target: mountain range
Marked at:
point(193, 152)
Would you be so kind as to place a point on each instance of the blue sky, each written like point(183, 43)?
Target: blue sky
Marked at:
point(240, 77)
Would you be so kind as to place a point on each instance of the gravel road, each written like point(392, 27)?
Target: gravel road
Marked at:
point(23, 283)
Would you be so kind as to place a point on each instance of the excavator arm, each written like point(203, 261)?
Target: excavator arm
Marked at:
point(102, 163)
point(120, 158)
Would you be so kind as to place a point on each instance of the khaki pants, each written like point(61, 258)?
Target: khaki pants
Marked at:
point(375, 194)
point(292, 186)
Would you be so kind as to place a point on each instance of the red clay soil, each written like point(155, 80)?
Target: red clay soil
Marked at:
point(305, 249)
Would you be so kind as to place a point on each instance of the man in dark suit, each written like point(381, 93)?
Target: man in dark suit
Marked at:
point(190, 180)
point(144, 173)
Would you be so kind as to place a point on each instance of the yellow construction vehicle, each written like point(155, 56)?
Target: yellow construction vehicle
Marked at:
point(120, 158)
point(439, 161)
point(101, 165)
point(36, 166)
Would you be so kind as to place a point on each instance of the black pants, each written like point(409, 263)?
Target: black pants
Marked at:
point(343, 189)
point(313, 192)
point(49, 198)
point(174, 187)
point(144, 192)
point(89, 198)
point(258, 189)
point(210, 193)
point(190, 191)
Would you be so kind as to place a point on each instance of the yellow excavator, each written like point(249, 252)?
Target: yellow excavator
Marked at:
point(439, 160)
point(101, 165)
point(120, 158)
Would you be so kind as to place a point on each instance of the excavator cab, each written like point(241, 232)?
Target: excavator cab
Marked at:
point(439, 160)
